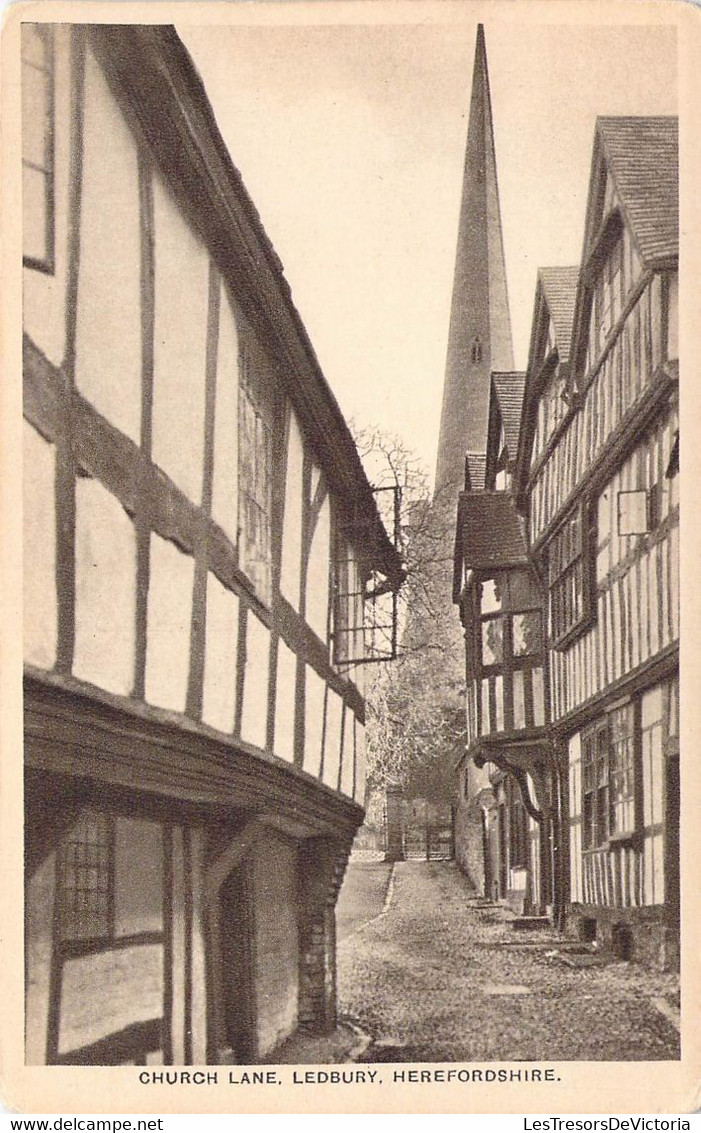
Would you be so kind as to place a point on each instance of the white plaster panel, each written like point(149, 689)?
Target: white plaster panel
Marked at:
point(285, 702)
point(105, 589)
point(332, 742)
point(221, 649)
point(292, 524)
point(226, 427)
point(318, 574)
point(44, 296)
point(106, 991)
point(168, 625)
point(348, 758)
point(39, 532)
point(359, 763)
point(182, 283)
point(108, 347)
point(315, 688)
point(254, 716)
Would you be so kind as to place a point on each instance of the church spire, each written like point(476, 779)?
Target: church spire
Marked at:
point(479, 339)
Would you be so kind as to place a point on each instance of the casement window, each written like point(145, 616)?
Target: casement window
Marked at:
point(608, 777)
point(570, 574)
point(348, 614)
point(38, 146)
point(256, 418)
point(85, 879)
point(109, 882)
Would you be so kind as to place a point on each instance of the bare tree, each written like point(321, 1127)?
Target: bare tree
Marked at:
point(415, 704)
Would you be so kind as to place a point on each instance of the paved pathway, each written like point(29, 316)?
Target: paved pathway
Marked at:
point(362, 895)
point(437, 978)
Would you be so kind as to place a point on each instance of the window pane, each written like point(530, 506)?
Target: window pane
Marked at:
point(84, 878)
point(491, 597)
point(526, 632)
point(492, 641)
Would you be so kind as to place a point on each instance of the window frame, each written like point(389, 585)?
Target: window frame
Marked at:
point(252, 398)
point(604, 766)
point(563, 627)
point(47, 263)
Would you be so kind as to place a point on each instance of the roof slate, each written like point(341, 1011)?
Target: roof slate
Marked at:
point(559, 285)
point(509, 390)
point(476, 467)
point(643, 155)
point(491, 531)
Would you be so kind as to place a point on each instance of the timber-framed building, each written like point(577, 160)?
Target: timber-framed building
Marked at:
point(199, 541)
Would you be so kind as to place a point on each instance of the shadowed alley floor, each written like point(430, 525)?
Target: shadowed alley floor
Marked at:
point(437, 978)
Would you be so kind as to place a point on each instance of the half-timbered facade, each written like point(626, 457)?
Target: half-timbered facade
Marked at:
point(200, 540)
point(506, 688)
point(597, 482)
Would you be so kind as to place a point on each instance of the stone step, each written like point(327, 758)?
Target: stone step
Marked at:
point(528, 923)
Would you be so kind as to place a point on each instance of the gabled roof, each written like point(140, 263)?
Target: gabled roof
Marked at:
point(490, 532)
point(509, 388)
point(475, 468)
point(643, 157)
point(559, 287)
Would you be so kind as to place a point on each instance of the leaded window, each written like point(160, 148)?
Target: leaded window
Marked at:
point(85, 879)
point(569, 574)
point(608, 777)
point(256, 417)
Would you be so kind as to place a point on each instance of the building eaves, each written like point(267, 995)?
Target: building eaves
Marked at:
point(509, 387)
point(643, 157)
point(475, 469)
point(491, 532)
point(150, 70)
point(559, 285)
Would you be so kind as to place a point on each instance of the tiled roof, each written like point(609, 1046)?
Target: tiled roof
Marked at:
point(509, 389)
point(559, 286)
point(643, 155)
point(491, 531)
point(475, 467)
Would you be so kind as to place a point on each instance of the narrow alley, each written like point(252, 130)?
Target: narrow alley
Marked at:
point(434, 974)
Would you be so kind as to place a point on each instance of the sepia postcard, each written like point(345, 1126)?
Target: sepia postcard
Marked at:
point(347, 743)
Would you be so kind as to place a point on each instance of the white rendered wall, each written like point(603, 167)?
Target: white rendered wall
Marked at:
point(221, 649)
point(348, 764)
point(108, 349)
point(285, 702)
point(332, 746)
point(254, 716)
point(105, 589)
point(39, 549)
point(313, 720)
point(44, 296)
point(180, 335)
point(168, 625)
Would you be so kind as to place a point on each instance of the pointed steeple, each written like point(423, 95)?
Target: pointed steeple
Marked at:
point(479, 339)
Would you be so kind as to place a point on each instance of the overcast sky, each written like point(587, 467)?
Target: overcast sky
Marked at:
point(351, 139)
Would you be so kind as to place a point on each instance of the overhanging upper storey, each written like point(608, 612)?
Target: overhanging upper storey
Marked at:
point(546, 398)
point(501, 609)
point(623, 359)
